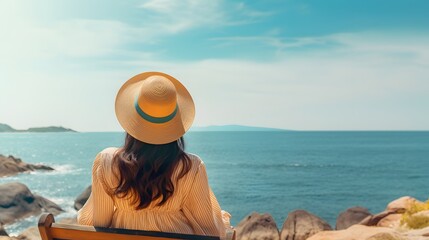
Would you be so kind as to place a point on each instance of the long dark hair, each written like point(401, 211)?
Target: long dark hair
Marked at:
point(145, 170)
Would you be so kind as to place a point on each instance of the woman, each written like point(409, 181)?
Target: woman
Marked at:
point(151, 183)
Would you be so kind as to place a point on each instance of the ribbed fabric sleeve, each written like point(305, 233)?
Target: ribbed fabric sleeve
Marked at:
point(98, 210)
point(202, 208)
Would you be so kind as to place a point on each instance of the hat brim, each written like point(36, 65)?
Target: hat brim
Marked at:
point(148, 132)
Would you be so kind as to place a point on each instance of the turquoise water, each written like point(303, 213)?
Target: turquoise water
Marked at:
point(275, 172)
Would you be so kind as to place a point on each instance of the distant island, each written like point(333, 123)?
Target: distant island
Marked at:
point(7, 128)
point(234, 128)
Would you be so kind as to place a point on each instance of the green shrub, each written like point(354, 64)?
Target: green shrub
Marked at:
point(416, 221)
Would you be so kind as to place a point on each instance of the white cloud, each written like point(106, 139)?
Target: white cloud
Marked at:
point(399, 44)
point(362, 82)
point(176, 16)
point(321, 91)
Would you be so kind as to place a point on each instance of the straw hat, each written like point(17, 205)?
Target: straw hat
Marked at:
point(155, 108)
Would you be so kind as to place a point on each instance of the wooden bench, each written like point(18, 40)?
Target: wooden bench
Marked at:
point(49, 230)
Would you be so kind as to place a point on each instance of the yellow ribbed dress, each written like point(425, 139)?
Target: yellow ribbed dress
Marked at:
point(192, 209)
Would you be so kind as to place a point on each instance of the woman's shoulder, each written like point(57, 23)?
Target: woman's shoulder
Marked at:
point(196, 163)
point(104, 157)
point(195, 159)
point(109, 151)
point(102, 167)
point(106, 153)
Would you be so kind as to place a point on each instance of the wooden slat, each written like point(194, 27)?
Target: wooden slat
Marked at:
point(44, 225)
point(50, 230)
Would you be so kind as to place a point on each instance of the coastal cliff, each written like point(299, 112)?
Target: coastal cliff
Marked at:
point(7, 128)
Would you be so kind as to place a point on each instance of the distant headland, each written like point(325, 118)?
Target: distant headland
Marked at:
point(234, 128)
point(7, 128)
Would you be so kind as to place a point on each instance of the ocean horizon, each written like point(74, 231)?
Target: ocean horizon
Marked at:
point(323, 172)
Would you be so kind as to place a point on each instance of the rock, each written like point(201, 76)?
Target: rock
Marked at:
point(373, 220)
point(16, 201)
point(351, 216)
point(31, 233)
point(48, 205)
point(257, 226)
point(386, 236)
point(390, 221)
point(82, 198)
point(11, 166)
point(418, 232)
point(401, 204)
point(360, 232)
point(300, 225)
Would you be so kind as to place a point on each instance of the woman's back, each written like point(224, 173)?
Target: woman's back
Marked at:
point(192, 209)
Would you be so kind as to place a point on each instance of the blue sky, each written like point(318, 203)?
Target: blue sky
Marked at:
point(304, 65)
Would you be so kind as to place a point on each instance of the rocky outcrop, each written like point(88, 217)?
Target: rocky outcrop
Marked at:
point(16, 202)
point(7, 128)
point(31, 233)
point(11, 166)
point(360, 232)
point(391, 221)
point(374, 220)
point(257, 226)
point(82, 198)
point(392, 215)
point(386, 225)
point(401, 204)
point(351, 217)
point(300, 225)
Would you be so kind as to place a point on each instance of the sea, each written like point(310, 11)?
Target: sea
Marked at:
point(272, 172)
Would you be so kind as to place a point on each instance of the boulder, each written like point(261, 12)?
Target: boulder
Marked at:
point(361, 232)
point(82, 198)
point(11, 166)
point(300, 225)
point(390, 221)
point(31, 233)
point(16, 201)
point(351, 216)
point(401, 204)
point(374, 220)
point(257, 226)
point(418, 233)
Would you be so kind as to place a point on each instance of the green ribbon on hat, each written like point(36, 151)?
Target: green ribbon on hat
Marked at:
point(151, 119)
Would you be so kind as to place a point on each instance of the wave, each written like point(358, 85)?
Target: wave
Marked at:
point(60, 169)
point(284, 165)
point(22, 224)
